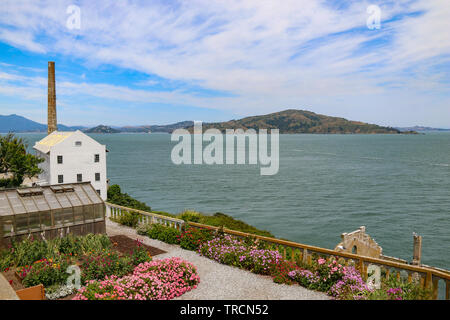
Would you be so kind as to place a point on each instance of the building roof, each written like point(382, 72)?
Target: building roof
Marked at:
point(44, 198)
point(51, 140)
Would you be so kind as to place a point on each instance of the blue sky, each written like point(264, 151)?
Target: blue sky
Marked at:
point(158, 62)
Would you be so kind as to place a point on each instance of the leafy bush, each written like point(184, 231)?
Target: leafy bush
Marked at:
point(192, 238)
point(70, 245)
point(96, 266)
point(394, 289)
point(28, 251)
point(163, 233)
point(142, 228)
point(223, 220)
point(139, 254)
point(190, 215)
point(6, 260)
point(94, 242)
point(46, 271)
point(156, 280)
point(129, 219)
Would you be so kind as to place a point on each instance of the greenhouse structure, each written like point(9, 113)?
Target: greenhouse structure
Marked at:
point(50, 211)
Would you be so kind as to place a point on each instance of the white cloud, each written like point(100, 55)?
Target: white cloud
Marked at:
point(268, 54)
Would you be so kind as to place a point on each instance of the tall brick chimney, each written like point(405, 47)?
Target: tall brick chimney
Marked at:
point(51, 121)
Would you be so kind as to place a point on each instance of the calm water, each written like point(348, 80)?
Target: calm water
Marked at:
point(327, 184)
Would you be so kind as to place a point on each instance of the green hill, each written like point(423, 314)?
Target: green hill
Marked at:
point(102, 129)
point(300, 121)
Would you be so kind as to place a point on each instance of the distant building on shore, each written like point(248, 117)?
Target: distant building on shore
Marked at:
point(70, 157)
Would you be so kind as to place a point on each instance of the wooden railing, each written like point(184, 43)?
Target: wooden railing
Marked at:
point(428, 277)
point(115, 211)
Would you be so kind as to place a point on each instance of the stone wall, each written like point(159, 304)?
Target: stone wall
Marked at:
point(358, 242)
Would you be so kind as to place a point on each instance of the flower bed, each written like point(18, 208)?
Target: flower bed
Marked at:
point(94, 254)
point(331, 276)
point(232, 251)
point(155, 280)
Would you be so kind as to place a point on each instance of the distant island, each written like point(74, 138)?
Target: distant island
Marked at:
point(287, 121)
point(422, 129)
point(302, 121)
point(156, 128)
point(102, 129)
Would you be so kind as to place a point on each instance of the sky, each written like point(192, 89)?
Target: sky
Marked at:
point(159, 62)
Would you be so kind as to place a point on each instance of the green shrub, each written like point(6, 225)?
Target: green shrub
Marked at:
point(28, 251)
point(70, 245)
point(140, 254)
point(6, 260)
point(192, 238)
point(190, 215)
point(94, 242)
point(46, 271)
point(163, 233)
point(223, 220)
point(394, 289)
point(142, 228)
point(129, 219)
point(96, 266)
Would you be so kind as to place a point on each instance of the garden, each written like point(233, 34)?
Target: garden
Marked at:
point(335, 277)
point(110, 268)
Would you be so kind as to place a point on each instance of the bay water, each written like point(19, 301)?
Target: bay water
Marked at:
point(326, 185)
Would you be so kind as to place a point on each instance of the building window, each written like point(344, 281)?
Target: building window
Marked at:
point(60, 159)
point(60, 178)
point(99, 193)
point(97, 177)
point(79, 177)
point(78, 143)
point(97, 158)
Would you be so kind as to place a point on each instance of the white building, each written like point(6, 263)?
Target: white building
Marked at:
point(72, 157)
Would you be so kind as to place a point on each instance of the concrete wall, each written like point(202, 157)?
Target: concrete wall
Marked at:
point(6, 291)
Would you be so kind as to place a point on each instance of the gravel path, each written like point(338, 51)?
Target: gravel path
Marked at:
point(221, 282)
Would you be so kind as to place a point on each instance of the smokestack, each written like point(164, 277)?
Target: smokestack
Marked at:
point(51, 121)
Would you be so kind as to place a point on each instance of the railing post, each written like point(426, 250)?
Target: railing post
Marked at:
point(305, 256)
point(447, 290)
point(435, 288)
point(428, 282)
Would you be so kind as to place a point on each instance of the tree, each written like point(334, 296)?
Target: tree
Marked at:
point(15, 161)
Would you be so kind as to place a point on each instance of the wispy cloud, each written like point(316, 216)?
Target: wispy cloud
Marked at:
point(265, 55)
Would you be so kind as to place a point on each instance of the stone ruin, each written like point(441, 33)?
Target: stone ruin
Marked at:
point(358, 242)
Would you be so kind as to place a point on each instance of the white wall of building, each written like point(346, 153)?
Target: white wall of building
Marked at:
point(77, 159)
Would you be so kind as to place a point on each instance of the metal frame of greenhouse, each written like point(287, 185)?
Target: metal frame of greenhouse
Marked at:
point(47, 212)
